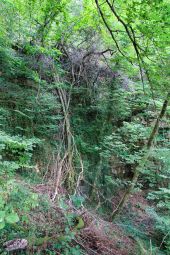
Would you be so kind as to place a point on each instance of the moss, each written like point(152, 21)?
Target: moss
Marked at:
point(80, 223)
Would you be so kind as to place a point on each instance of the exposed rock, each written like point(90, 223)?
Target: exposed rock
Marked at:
point(16, 244)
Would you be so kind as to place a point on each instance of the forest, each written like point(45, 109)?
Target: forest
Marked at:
point(85, 127)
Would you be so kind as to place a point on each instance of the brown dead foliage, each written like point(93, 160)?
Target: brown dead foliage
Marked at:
point(102, 237)
point(98, 236)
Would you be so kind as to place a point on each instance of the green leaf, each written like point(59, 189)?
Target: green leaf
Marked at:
point(2, 225)
point(2, 202)
point(12, 218)
point(2, 216)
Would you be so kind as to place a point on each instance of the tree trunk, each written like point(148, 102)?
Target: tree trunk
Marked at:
point(143, 161)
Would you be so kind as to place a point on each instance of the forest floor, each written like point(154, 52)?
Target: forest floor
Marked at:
point(97, 236)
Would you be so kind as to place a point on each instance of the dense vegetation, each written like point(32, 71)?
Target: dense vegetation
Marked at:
point(84, 127)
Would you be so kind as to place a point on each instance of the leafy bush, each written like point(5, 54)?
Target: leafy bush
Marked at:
point(161, 215)
point(16, 152)
point(126, 143)
point(15, 202)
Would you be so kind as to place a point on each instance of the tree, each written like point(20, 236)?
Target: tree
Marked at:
point(143, 48)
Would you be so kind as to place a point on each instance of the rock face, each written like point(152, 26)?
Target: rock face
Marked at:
point(17, 244)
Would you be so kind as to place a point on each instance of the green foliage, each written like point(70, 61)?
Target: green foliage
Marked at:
point(37, 50)
point(52, 60)
point(33, 118)
point(126, 142)
point(72, 225)
point(162, 200)
point(14, 203)
point(16, 153)
point(157, 172)
point(162, 222)
point(77, 201)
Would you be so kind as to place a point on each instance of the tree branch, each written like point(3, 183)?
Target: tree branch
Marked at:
point(108, 28)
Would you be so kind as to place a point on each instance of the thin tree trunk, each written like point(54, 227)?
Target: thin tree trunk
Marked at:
point(143, 161)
